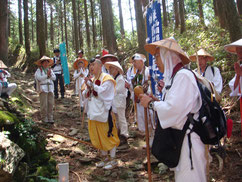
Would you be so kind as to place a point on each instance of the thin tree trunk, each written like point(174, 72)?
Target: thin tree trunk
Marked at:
point(121, 19)
point(239, 6)
point(215, 8)
point(131, 18)
point(39, 27)
point(79, 24)
point(9, 15)
point(200, 7)
point(51, 26)
point(65, 23)
point(87, 24)
point(4, 31)
point(165, 23)
point(93, 24)
point(75, 25)
point(32, 21)
point(140, 25)
point(46, 24)
point(176, 12)
point(26, 28)
point(20, 26)
point(182, 16)
point(61, 22)
point(221, 15)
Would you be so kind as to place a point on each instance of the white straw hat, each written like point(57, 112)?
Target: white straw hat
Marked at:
point(232, 47)
point(138, 56)
point(114, 64)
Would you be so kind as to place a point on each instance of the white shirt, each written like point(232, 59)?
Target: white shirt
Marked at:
point(215, 78)
point(58, 68)
point(235, 92)
point(130, 74)
point(46, 84)
point(4, 74)
point(120, 94)
point(78, 78)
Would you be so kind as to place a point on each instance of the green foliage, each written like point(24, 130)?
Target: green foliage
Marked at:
point(7, 118)
point(44, 179)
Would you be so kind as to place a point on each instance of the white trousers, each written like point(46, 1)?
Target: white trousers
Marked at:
point(9, 90)
point(81, 98)
point(121, 123)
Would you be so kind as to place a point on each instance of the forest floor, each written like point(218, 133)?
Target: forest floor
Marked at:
point(131, 161)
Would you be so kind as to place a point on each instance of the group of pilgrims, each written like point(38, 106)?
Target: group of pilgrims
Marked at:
point(103, 88)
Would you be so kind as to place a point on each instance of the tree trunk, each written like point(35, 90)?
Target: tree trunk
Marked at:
point(79, 25)
point(200, 7)
point(177, 20)
point(9, 12)
point(87, 24)
point(20, 22)
point(232, 20)
point(121, 19)
point(182, 16)
point(4, 31)
point(108, 25)
point(215, 8)
point(131, 18)
point(140, 26)
point(26, 28)
point(46, 24)
point(221, 14)
point(75, 25)
point(61, 22)
point(39, 27)
point(51, 26)
point(65, 23)
point(239, 6)
point(32, 21)
point(93, 23)
point(165, 22)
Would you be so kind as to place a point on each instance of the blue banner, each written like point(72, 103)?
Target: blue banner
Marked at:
point(64, 63)
point(154, 33)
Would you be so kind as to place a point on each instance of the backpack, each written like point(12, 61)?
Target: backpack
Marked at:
point(37, 83)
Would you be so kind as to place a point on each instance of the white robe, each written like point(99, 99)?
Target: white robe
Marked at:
point(46, 84)
point(235, 92)
point(215, 78)
point(11, 86)
point(183, 98)
point(79, 80)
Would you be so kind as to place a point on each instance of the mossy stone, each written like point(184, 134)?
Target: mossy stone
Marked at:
point(7, 118)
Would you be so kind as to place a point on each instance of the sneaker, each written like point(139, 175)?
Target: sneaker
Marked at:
point(102, 163)
point(111, 164)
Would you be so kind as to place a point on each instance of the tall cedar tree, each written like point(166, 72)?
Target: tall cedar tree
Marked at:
point(51, 25)
point(220, 13)
point(131, 18)
point(108, 26)
point(239, 6)
point(121, 19)
point(87, 25)
point(201, 16)
point(4, 31)
point(79, 24)
point(26, 27)
point(61, 22)
point(75, 25)
point(182, 15)
point(32, 20)
point(165, 22)
point(176, 12)
point(46, 24)
point(20, 26)
point(140, 26)
point(93, 23)
point(9, 12)
point(65, 24)
point(39, 28)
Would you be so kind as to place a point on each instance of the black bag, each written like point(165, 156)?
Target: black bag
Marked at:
point(167, 144)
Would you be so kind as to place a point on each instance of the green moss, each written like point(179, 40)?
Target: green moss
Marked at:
point(7, 118)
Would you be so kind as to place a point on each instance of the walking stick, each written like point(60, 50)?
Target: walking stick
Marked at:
point(147, 144)
point(137, 91)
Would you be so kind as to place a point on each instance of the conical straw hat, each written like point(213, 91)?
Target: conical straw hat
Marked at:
point(114, 58)
point(114, 64)
point(202, 53)
point(75, 64)
point(170, 44)
point(232, 47)
point(2, 65)
point(45, 58)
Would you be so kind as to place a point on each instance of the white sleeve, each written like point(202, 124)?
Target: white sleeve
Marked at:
point(39, 76)
point(52, 77)
point(120, 86)
point(76, 74)
point(217, 80)
point(234, 92)
point(182, 98)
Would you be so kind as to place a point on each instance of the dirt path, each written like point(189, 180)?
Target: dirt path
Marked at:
point(131, 167)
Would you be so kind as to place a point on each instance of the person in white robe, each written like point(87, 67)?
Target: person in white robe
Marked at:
point(236, 83)
point(101, 125)
point(81, 71)
point(107, 58)
point(212, 73)
point(181, 98)
point(6, 88)
point(45, 77)
point(119, 101)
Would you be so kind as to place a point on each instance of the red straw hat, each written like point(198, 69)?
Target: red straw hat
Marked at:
point(75, 64)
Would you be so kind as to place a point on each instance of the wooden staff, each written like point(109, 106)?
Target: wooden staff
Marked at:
point(198, 67)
